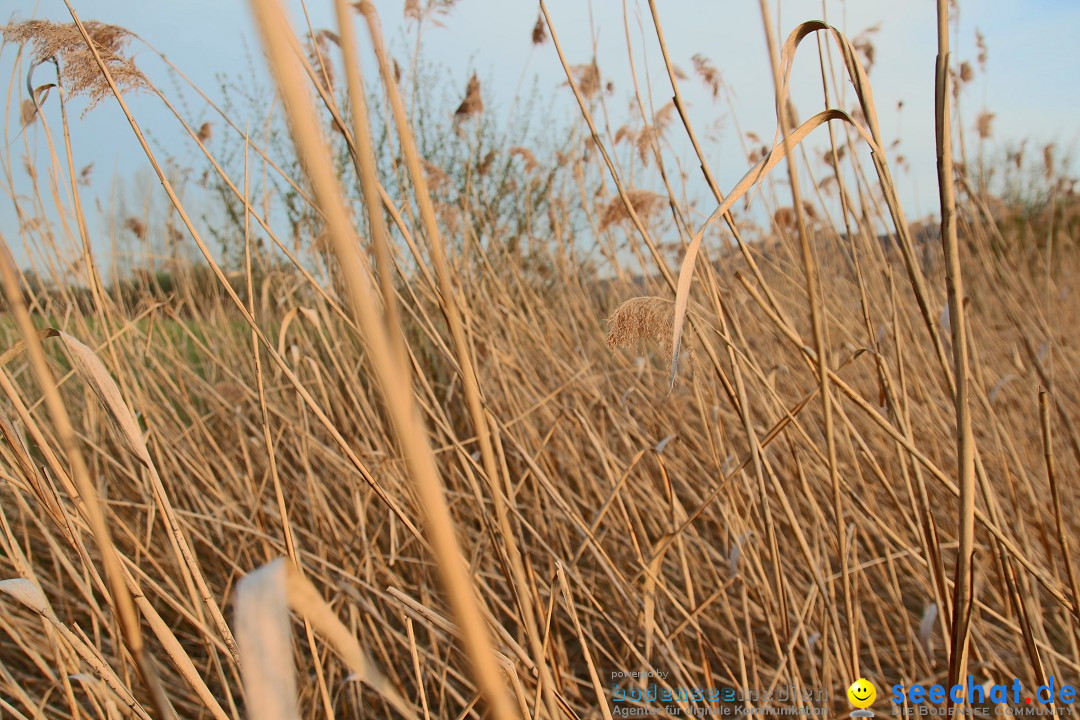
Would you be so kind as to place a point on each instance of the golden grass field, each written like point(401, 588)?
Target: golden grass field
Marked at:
point(439, 468)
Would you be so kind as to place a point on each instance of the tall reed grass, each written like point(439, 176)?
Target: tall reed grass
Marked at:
point(406, 470)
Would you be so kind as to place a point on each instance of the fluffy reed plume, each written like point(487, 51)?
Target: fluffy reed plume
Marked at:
point(708, 74)
point(526, 156)
point(136, 227)
point(785, 217)
point(984, 125)
point(645, 139)
point(473, 104)
point(644, 202)
point(539, 31)
point(967, 74)
point(436, 176)
point(427, 10)
point(864, 45)
point(640, 319)
point(587, 77)
point(318, 49)
point(652, 132)
point(79, 72)
point(484, 166)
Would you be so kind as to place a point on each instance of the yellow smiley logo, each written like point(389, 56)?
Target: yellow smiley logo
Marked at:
point(862, 693)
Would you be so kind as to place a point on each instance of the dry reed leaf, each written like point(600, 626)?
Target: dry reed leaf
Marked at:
point(79, 71)
point(17, 455)
point(285, 323)
point(751, 178)
point(662, 445)
point(26, 592)
point(17, 349)
point(473, 104)
point(263, 600)
point(264, 636)
point(594, 675)
point(926, 629)
point(97, 377)
point(652, 577)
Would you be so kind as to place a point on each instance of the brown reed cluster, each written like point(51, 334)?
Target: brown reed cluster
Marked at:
point(79, 72)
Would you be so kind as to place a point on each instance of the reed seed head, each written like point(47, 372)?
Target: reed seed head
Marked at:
point(79, 72)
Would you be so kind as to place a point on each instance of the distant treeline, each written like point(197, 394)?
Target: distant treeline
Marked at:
point(186, 286)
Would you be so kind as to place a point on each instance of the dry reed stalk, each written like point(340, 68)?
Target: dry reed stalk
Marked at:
point(394, 379)
point(464, 354)
point(123, 606)
point(1055, 499)
point(714, 187)
point(574, 442)
point(235, 299)
point(963, 598)
point(821, 347)
point(580, 93)
point(908, 444)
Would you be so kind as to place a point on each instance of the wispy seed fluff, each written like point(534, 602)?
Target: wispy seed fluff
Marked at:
point(646, 318)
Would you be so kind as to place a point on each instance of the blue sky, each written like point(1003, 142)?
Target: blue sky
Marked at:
point(1030, 83)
